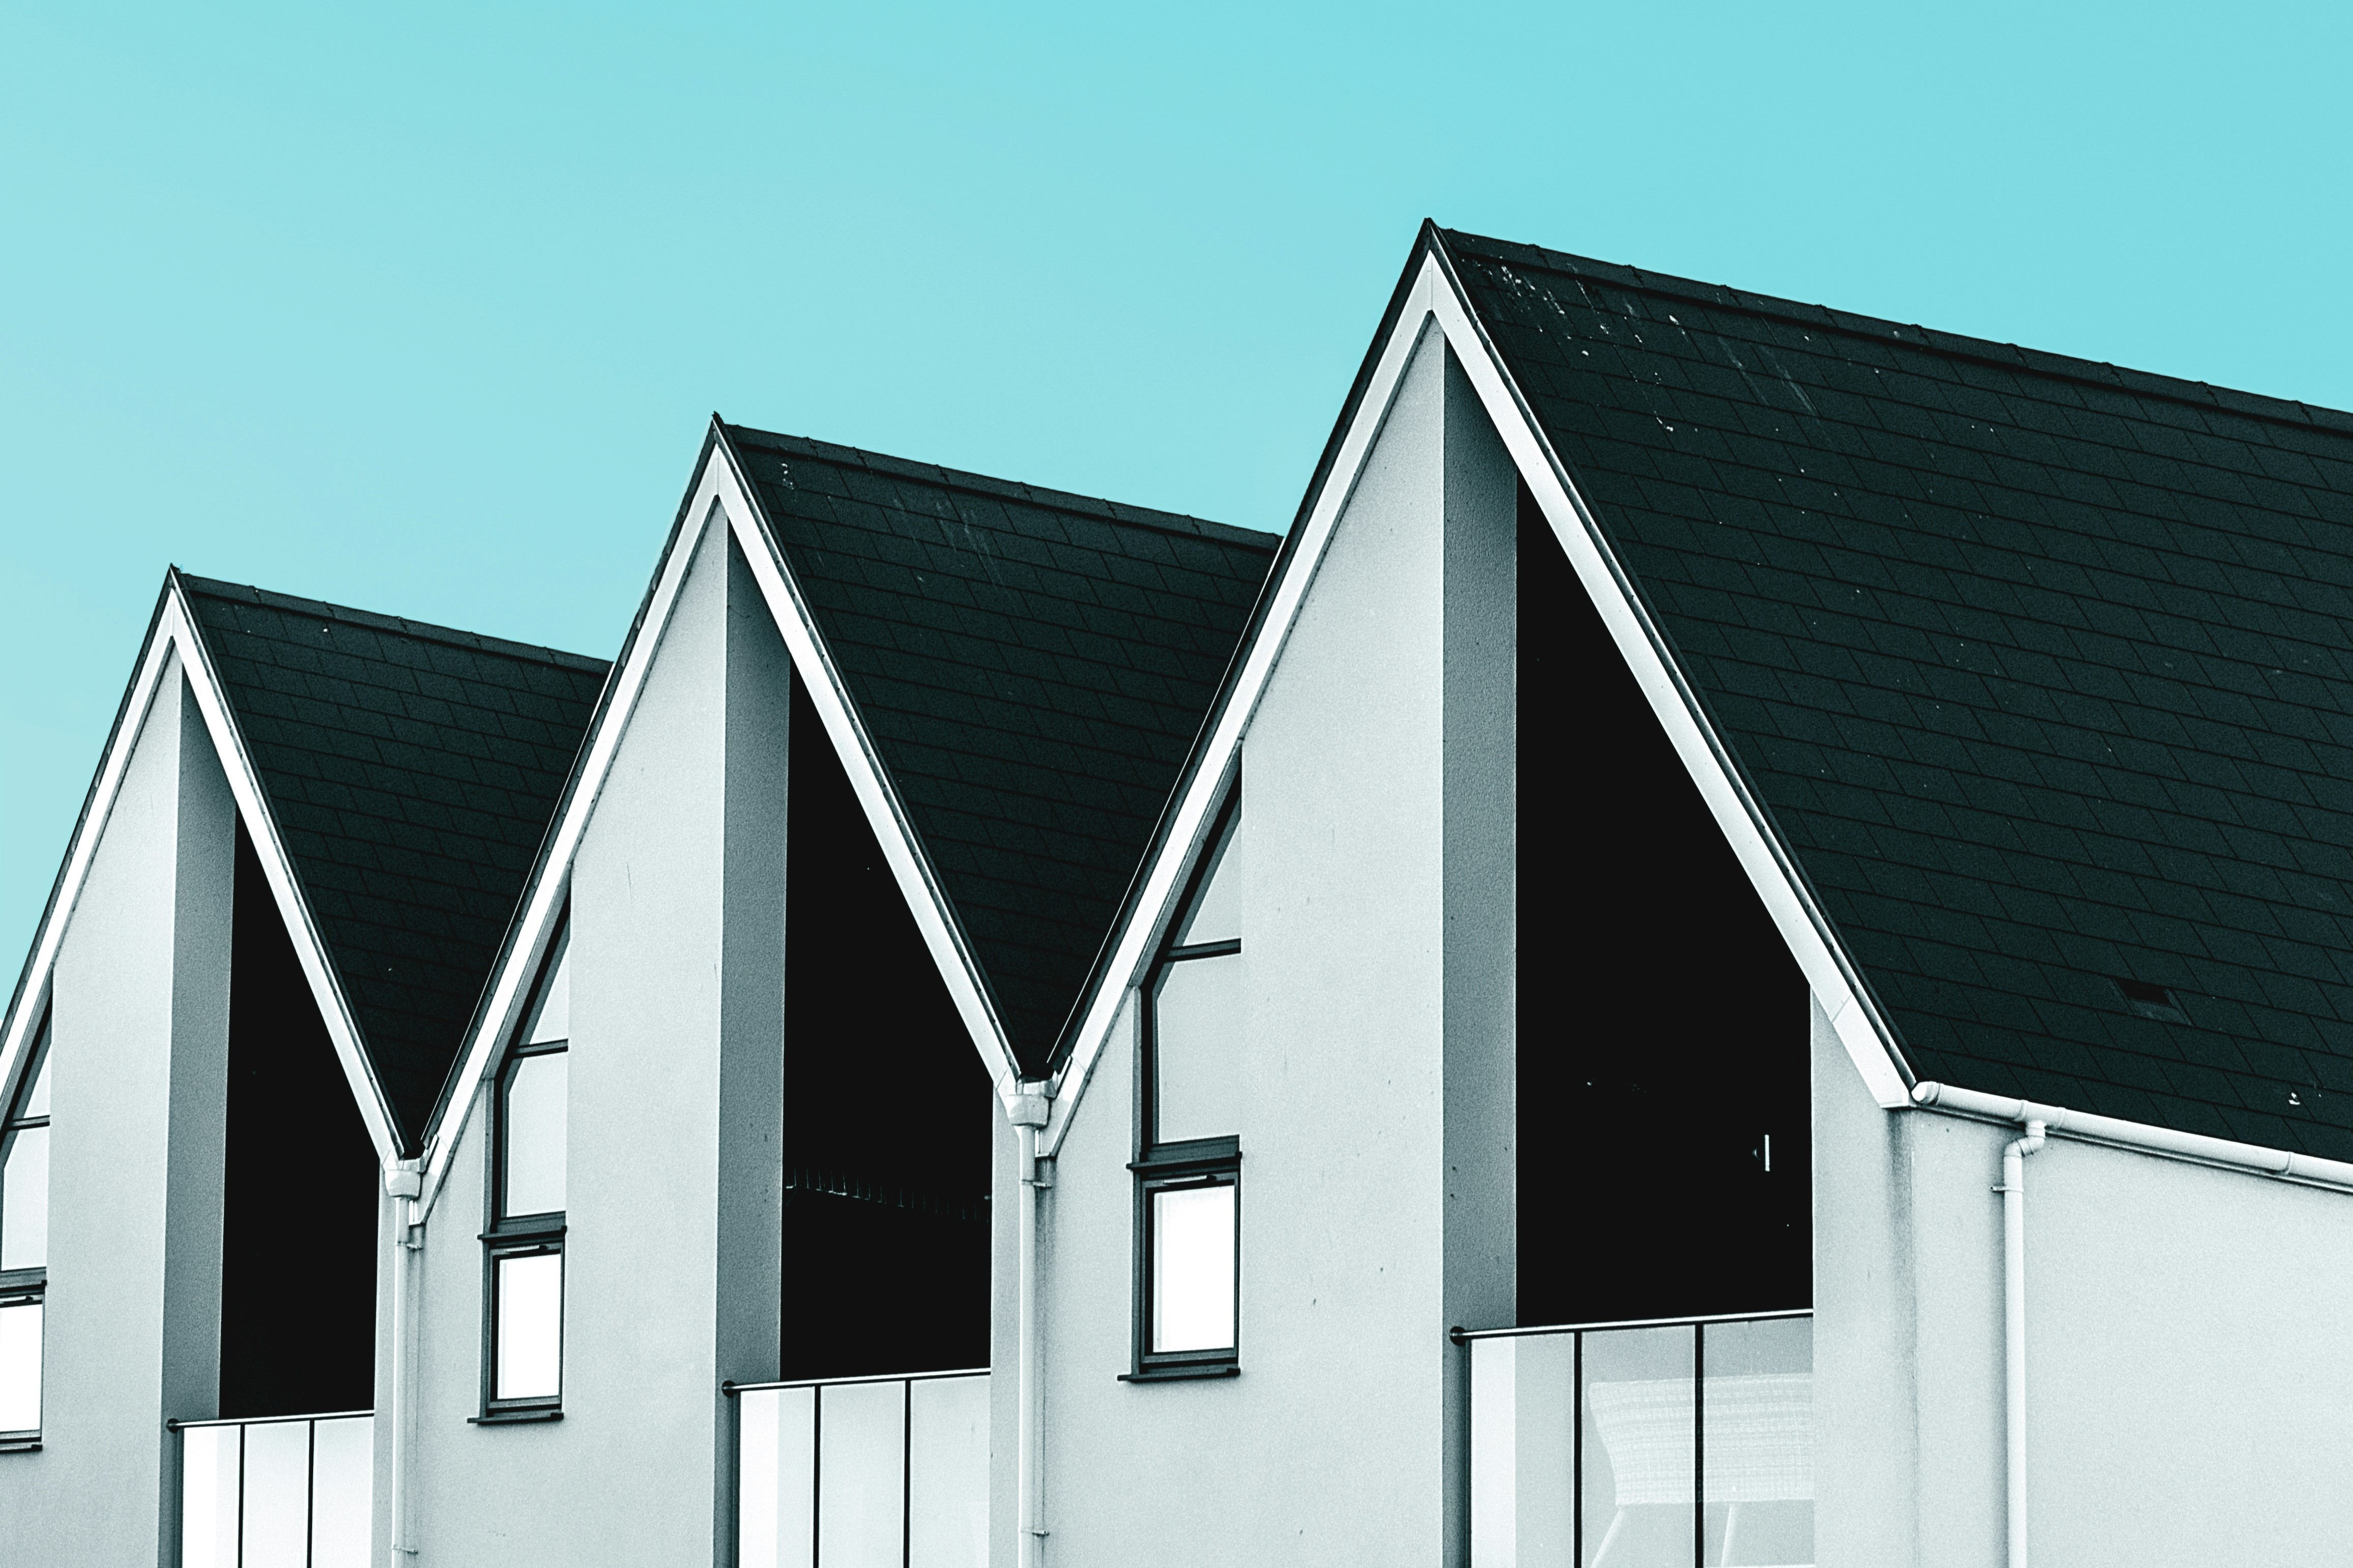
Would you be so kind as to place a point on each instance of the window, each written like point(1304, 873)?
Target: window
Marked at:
point(1189, 1156)
point(523, 1280)
point(23, 1246)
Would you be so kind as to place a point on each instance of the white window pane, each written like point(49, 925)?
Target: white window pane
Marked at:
point(24, 1200)
point(1193, 1268)
point(1216, 912)
point(209, 1459)
point(37, 1102)
point(536, 1095)
point(343, 1492)
point(555, 1020)
point(20, 1368)
point(277, 1494)
point(531, 1326)
point(1197, 1049)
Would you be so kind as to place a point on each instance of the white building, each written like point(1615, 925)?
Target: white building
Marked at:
point(1014, 1029)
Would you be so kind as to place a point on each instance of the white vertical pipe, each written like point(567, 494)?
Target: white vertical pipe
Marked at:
point(2013, 1326)
point(403, 1183)
point(1029, 1111)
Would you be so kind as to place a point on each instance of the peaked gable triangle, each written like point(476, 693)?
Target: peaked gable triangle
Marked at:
point(2037, 664)
point(1032, 668)
point(409, 772)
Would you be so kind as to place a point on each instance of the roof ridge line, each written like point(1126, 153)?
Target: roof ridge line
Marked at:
point(1099, 507)
point(374, 620)
point(2198, 395)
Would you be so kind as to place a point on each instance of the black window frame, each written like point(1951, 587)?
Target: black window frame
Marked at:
point(506, 1235)
point(1160, 1165)
point(27, 1287)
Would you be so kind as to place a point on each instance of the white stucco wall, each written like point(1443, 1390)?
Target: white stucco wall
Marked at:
point(2189, 1398)
point(1377, 1127)
point(675, 1181)
point(139, 1073)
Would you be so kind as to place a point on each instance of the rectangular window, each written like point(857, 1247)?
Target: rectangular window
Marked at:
point(529, 1303)
point(523, 1285)
point(24, 1245)
point(1188, 1158)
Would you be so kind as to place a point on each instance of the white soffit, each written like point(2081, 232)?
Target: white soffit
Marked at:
point(176, 645)
point(1433, 299)
point(719, 496)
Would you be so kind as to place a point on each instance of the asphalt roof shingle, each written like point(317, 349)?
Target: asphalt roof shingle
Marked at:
point(2043, 669)
point(1033, 668)
point(412, 771)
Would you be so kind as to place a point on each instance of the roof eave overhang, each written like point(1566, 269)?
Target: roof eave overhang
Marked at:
point(173, 629)
point(718, 491)
point(1431, 296)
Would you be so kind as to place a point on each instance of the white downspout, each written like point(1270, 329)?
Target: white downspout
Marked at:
point(1029, 1111)
point(2042, 1121)
point(2013, 1327)
point(404, 1184)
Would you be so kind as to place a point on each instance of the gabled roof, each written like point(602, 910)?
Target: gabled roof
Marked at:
point(411, 771)
point(2042, 670)
point(1031, 667)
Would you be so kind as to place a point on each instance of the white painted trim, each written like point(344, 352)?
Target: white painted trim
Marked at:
point(175, 633)
point(1197, 807)
point(1433, 296)
point(720, 494)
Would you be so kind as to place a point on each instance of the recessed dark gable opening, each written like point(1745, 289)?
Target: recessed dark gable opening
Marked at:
point(888, 1109)
point(2151, 1001)
point(299, 1221)
point(1664, 1110)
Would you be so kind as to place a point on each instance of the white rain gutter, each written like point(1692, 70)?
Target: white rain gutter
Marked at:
point(2042, 1122)
point(404, 1184)
point(1029, 1111)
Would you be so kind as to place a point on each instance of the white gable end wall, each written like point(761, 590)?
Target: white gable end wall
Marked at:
point(1376, 1119)
point(139, 1068)
point(673, 1202)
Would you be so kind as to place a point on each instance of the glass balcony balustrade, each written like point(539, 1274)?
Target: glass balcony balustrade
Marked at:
point(1682, 1444)
point(287, 1492)
point(876, 1472)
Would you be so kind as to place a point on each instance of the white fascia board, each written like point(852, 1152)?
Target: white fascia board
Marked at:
point(1869, 1038)
point(719, 496)
point(33, 993)
point(176, 634)
point(1206, 788)
point(1433, 298)
point(886, 814)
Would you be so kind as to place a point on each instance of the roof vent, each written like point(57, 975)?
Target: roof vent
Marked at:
point(2152, 1001)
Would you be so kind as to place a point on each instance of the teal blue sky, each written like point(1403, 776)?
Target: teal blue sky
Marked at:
point(423, 309)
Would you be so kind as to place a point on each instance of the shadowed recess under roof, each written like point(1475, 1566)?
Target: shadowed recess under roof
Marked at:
point(2044, 669)
point(412, 771)
point(1032, 667)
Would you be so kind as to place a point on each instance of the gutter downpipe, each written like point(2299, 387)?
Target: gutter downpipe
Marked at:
point(2039, 1121)
point(405, 1184)
point(1029, 1111)
point(2013, 1328)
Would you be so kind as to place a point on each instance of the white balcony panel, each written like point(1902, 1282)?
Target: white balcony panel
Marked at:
point(861, 1480)
point(209, 1475)
point(277, 1495)
point(776, 1503)
point(343, 1492)
point(947, 1447)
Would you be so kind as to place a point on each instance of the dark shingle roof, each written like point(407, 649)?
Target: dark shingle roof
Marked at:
point(412, 771)
point(1032, 667)
point(2044, 668)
